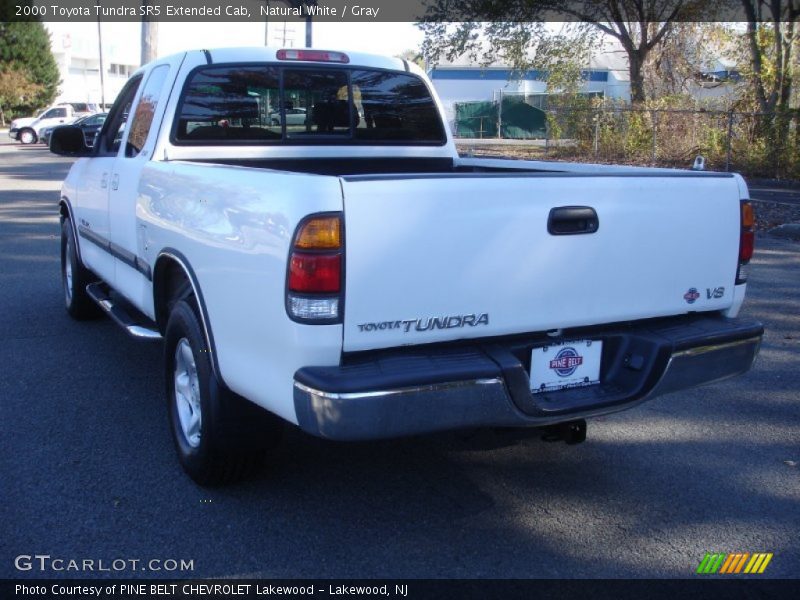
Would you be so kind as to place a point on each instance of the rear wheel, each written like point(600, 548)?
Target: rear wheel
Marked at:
point(75, 277)
point(220, 437)
point(27, 136)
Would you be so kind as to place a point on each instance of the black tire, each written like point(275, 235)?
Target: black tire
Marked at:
point(27, 136)
point(79, 304)
point(234, 435)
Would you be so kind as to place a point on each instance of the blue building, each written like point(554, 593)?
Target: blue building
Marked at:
point(461, 81)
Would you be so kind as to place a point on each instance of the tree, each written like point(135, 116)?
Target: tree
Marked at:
point(674, 68)
point(413, 56)
point(15, 88)
point(638, 25)
point(25, 50)
point(772, 44)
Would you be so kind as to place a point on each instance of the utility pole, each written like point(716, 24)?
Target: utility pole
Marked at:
point(100, 54)
point(149, 36)
point(266, 24)
point(300, 4)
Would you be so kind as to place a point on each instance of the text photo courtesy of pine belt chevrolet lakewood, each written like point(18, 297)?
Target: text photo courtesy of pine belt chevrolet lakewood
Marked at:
point(349, 273)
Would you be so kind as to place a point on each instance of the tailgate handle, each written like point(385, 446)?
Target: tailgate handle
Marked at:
point(572, 220)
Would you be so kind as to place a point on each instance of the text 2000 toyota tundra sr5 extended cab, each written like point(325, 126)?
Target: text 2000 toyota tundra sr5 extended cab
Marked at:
point(299, 229)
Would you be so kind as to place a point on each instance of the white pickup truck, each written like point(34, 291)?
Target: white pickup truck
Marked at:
point(351, 274)
point(29, 130)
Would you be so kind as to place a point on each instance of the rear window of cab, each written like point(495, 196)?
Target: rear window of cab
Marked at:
point(268, 104)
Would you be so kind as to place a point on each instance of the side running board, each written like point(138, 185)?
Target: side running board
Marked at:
point(141, 328)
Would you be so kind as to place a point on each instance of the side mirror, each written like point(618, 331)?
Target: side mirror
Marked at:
point(68, 140)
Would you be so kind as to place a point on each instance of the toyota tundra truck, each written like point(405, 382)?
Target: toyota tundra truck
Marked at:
point(349, 273)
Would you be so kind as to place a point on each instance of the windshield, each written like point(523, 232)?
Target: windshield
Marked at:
point(268, 104)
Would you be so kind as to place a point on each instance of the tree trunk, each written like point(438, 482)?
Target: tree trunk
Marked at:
point(635, 63)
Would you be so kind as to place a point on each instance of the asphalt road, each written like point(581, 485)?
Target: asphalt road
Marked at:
point(773, 191)
point(87, 469)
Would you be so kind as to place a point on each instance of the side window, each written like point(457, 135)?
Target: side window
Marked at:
point(145, 110)
point(55, 113)
point(110, 136)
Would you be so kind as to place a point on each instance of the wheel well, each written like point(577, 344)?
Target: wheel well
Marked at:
point(64, 213)
point(174, 280)
point(170, 284)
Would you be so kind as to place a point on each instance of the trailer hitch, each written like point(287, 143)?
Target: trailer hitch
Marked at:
point(571, 432)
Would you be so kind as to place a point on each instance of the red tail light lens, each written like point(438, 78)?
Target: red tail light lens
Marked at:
point(746, 245)
point(315, 273)
point(747, 237)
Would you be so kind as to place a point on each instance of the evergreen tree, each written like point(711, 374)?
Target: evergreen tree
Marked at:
point(25, 48)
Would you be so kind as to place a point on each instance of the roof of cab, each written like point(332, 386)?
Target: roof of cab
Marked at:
point(264, 54)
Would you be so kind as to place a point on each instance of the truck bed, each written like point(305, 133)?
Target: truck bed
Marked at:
point(343, 167)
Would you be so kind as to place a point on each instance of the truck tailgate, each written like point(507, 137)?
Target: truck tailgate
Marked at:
point(444, 257)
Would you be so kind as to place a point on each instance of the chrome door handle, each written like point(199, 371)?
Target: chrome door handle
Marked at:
point(104, 181)
point(115, 181)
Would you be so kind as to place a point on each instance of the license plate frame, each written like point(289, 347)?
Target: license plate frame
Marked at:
point(565, 365)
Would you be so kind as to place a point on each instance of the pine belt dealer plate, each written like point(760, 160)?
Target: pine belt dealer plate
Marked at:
point(566, 365)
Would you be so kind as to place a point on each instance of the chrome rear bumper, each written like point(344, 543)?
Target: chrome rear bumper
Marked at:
point(373, 411)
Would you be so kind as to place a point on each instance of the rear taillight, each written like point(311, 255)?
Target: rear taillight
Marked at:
point(313, 56)
point(746, 240)
point(315, 277)
point(315, 273)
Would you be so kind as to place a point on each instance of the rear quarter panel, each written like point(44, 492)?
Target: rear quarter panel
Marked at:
point(234, 227)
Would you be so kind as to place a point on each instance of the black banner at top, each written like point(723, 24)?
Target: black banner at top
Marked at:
point(389, 10)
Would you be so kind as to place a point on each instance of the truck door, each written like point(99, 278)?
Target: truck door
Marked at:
point(91, 207)
point(133, 269)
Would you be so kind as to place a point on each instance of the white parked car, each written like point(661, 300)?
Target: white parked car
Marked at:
point(294, 116)
point(28, 130)
point(361, 280)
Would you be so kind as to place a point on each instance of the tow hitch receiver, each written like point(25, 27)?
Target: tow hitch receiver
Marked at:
point(571, 432)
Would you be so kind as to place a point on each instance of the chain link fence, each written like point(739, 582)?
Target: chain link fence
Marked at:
point(756, 144)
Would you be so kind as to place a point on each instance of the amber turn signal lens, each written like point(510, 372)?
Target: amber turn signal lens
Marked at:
point(321, 233)
point(748, 215)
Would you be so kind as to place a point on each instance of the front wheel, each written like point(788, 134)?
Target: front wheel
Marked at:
point(220, 437)
point(27, 136)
